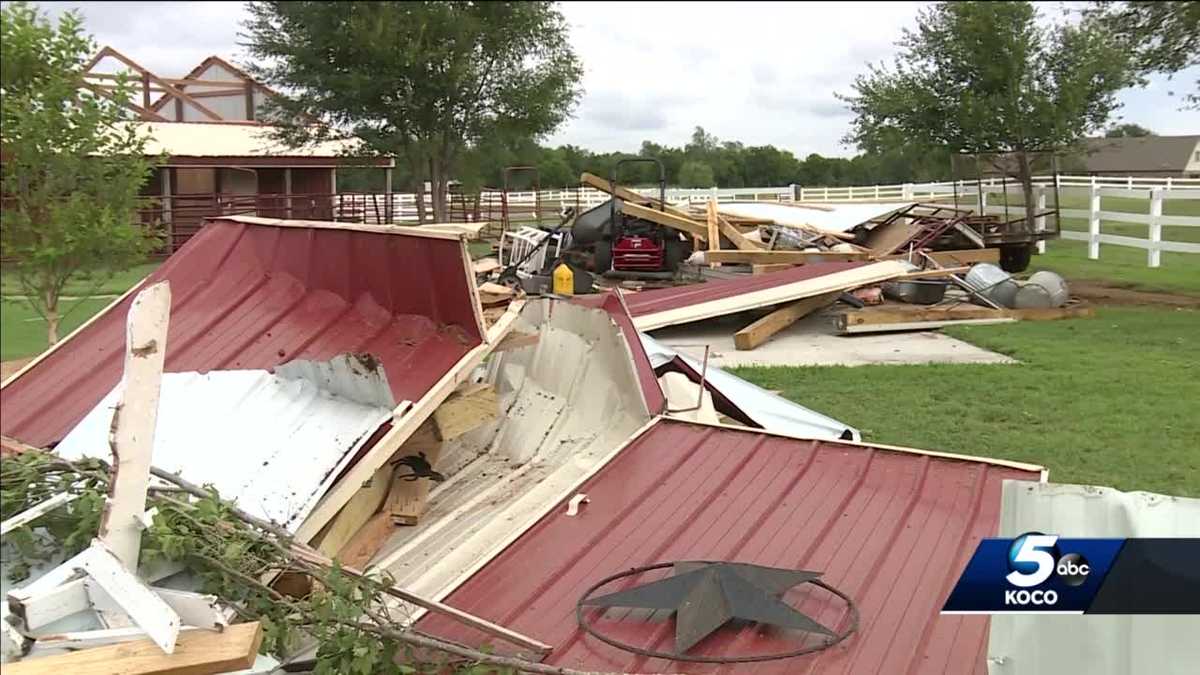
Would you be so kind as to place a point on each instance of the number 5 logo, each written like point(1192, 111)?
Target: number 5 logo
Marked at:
point(1029, 553)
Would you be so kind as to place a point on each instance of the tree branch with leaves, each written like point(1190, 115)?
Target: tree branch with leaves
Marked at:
point(424, 81)
point(72, 163)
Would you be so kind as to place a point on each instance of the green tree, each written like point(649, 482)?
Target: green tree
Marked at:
point(1164, 37)
point(695, 175)
point(1127, 131)
point(986, 77)
point(72, 164)
point(421, 80)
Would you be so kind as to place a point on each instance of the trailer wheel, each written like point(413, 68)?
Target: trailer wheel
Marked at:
point(1015, 257)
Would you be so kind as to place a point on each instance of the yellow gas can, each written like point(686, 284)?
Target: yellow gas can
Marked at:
point(564, 280)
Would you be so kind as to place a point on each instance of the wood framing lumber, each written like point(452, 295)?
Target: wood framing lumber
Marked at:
point(760, 331)
point(200, 652)
point(466, 410)
point(665, 218)
point(906, 317)
point(767, 268)
point(37, 511)
point(134, 419)
point(957, 257)
point(137, 600)
point(921, 325)
point(863, 275)
point(789, 257)
point(407, 418)
point(406, 502)
point(714, 236)
point(355, 514)
point(626, 195)
point(367, 541)
point(741, 241)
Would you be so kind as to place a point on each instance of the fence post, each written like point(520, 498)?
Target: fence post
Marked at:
point(797, 192)
point(1039, 223)
point(825, 193)
point(906, 192)
point(1154, 254)
point(1094, 222)
point(876, 192)
point(1168, 182)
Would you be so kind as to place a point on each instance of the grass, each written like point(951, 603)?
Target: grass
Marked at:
point(113, 285)
point(23, 332)
point(1122, 266)
point(1103, 401)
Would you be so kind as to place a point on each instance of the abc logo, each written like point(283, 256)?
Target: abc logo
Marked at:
point(1032, 559)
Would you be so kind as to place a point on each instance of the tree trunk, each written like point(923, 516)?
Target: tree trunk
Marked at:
point(52, 318)
point(1026, 177)
point(437, 179)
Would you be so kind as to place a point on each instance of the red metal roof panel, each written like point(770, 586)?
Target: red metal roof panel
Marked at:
point(892, 529)
point(254, 296)
point(660, 299)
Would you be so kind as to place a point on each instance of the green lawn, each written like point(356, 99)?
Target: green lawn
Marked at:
point(113, 285)
point(1104, 401)
point(1121, 266)
point(23, 332)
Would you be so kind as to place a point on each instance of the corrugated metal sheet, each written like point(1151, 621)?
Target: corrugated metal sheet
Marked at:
point(829, 217)
point(769, 411)
point(893, 529)
point(272, 442)
point(1034, 645)
point(612, 303)
point(660, 299)
point(251, 295)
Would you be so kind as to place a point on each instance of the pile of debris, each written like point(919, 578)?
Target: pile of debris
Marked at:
point(368, 396)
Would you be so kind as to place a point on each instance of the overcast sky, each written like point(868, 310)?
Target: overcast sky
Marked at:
point(761, 73)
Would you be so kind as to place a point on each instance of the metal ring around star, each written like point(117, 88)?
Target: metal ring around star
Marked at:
point(829, 642)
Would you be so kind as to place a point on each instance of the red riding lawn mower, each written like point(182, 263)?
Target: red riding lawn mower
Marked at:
point(627, 246)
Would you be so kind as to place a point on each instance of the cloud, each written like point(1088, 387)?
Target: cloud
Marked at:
point(757, 72)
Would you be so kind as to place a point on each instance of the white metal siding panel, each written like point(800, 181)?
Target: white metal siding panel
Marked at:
point(1051, 645)
point(270, 442)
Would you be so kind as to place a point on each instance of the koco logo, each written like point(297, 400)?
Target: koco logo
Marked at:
point(1033, 558)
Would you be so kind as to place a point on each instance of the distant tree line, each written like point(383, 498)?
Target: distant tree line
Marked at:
point(705, 161)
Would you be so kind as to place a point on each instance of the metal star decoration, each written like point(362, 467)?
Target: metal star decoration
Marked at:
point(706, 596)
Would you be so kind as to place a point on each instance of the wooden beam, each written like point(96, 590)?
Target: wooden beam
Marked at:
point(148, 611)
point(467, 410)
point(170, 90)
point(37, 511)
point(143, 112)
point(355, 514)
point(739, 240)
point(665, 218)
point(714, 237)
point(134, 420)
point(200, 652)
point(916, 315)
point(367, 541)
point(789, 257)
point(406, 502)
point(760, 331)
point(626, 195)
point(959, 257)
point(767, 268)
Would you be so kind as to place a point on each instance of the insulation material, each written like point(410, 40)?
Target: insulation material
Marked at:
point(271, 442)
point(1035, 644)
point(827, 217)
point(768, 411)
